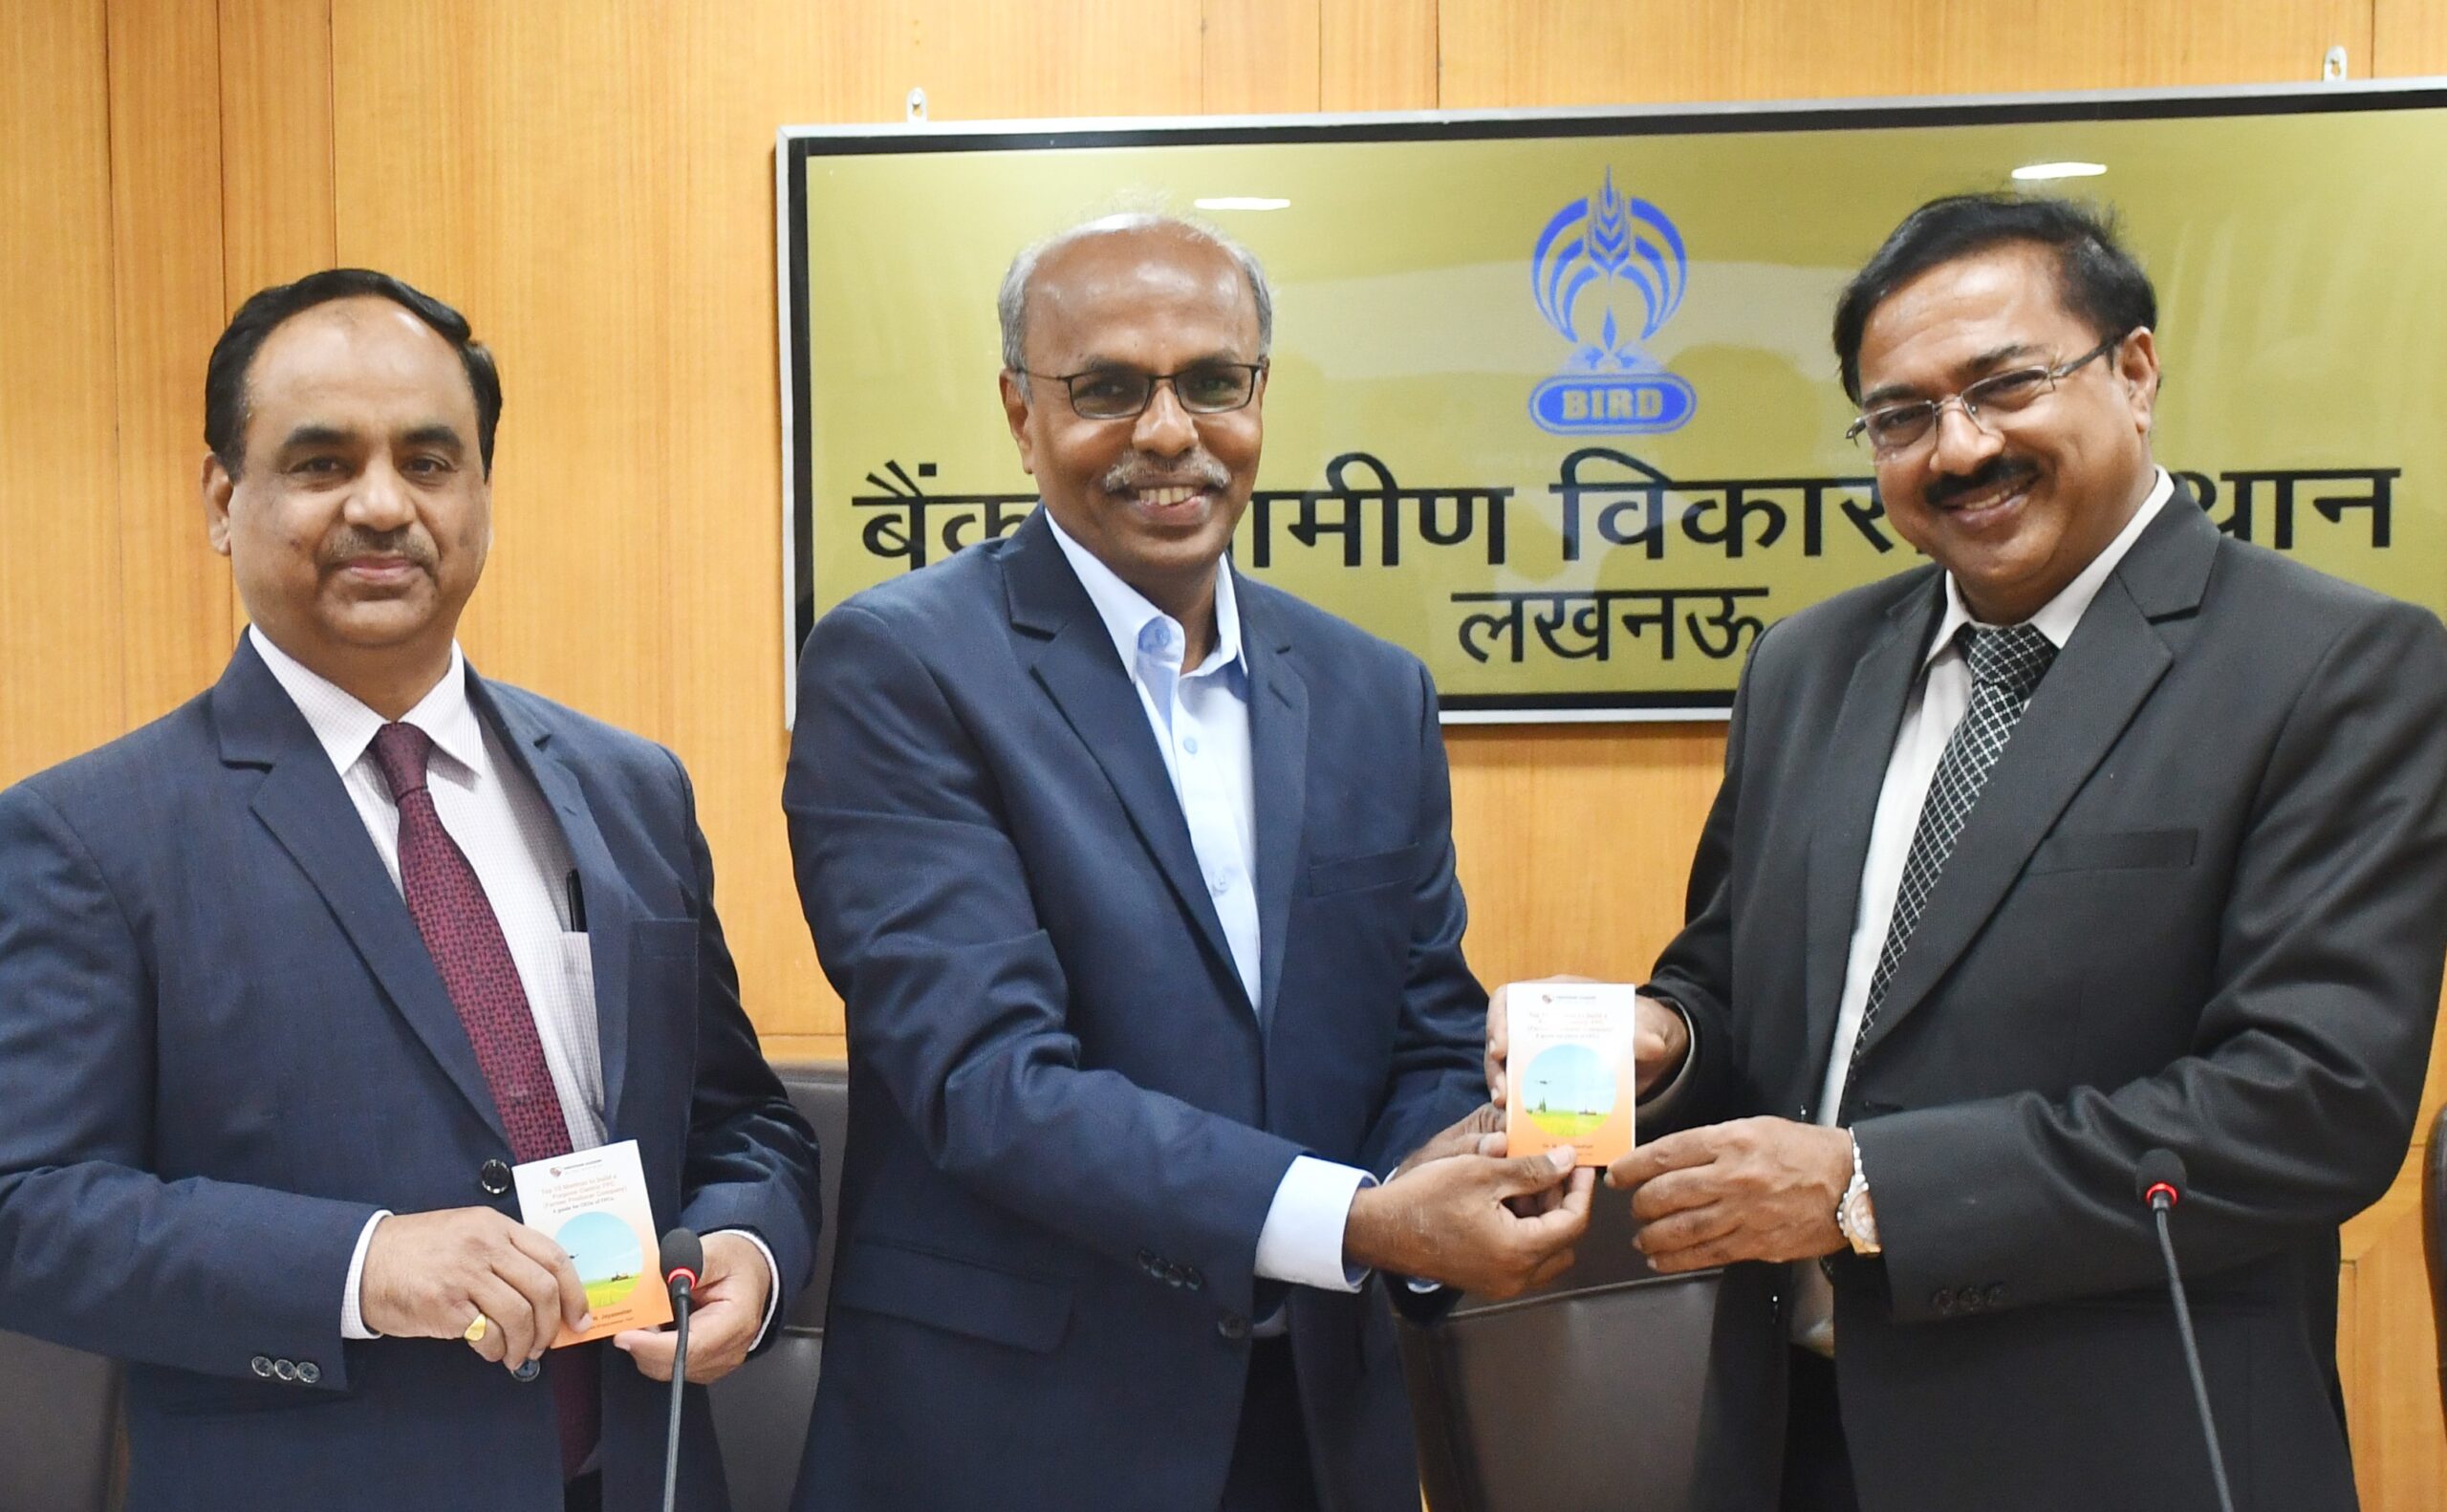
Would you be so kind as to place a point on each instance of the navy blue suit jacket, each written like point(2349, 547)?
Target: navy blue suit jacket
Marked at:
point(1066, 1120)
point(223, 1047)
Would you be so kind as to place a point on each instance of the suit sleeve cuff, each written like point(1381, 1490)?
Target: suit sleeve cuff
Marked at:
point(1660, 1100)
point(352, 1315)
point(1302, 1241)
point(772, 1283)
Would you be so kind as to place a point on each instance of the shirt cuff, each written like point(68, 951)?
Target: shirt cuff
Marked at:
point(1302, 1240)
point(351, 1317)
point(1660, 1099)
point(773, 1282)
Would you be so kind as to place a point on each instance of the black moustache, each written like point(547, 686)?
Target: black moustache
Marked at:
point(2000, 471)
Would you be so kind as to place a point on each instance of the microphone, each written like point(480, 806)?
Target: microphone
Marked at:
point(2158, 1179)
point(683, 1263)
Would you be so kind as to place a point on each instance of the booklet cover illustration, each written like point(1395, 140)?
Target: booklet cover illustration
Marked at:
point(1572, 1080)
point(595, 1205)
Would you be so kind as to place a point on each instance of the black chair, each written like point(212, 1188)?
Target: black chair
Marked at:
point(1616, 1390)
point(2433, 1237)
point(59, 1429)
point(761, 1410)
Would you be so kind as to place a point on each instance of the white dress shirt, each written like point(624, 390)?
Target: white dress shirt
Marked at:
point(1935, 706)
point(1201, 722)
point(506, 830)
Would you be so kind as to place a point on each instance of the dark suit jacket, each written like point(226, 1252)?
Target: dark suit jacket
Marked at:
point(1067, 1121)
point(223, 1047)
point(2199, 905)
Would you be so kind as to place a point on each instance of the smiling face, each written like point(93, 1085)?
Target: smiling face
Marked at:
point(359, 517)
point(2015, 506)
point(1154, 497)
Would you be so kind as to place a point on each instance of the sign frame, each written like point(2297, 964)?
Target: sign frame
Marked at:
point(795, 146)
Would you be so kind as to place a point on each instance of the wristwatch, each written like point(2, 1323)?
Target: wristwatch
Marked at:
point(1854, 1216)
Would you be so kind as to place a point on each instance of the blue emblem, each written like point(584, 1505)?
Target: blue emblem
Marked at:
point(1609, 271)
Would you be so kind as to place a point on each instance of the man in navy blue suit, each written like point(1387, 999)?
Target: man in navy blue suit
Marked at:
point(291, 977)
point(1136, 879)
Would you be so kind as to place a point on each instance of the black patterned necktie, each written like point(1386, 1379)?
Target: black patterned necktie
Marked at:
point(2005, 665)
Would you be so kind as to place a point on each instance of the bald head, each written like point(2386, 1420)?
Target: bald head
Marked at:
point(1043, 270)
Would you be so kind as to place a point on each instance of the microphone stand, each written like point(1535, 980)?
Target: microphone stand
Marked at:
point(679, 1296)
point(2161, 1199)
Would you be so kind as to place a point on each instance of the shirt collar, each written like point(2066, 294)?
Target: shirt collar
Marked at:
point(344, 727)
point(1127, 614)
point(2057, 618)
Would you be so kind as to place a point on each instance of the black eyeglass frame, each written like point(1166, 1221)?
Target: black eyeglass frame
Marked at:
point(1967, 397)
point(1256, 371)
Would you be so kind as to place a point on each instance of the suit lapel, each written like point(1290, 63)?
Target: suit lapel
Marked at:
point(1079, 669)
point(1857, 756)
point(307, 810)
point(1279, 772)
point(529, 742)
point(2097, 683)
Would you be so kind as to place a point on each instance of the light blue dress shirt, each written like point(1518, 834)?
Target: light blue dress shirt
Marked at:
point(1201, 722)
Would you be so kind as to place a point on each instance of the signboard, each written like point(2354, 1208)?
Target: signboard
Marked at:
point(1552, 401)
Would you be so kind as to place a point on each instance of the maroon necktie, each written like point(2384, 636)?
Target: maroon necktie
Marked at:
point(463, 937)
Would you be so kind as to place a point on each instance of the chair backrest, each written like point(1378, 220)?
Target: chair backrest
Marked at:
point(761, 1410)
point(2433, 1237)
point(820, 1091)
point(1692, 1360)
point(59, 1429)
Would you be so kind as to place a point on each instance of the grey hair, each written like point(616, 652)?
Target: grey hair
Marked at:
point(1011, 304)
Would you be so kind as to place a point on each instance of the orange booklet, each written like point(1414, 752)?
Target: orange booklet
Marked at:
point(595, 1205)
point(1571, 1075)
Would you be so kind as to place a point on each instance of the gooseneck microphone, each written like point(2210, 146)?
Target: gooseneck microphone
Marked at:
point(683, 1261)
point(2160, 1180)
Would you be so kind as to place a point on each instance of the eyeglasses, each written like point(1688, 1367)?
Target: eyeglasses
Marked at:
point(1893, 429)
point(1118, 393)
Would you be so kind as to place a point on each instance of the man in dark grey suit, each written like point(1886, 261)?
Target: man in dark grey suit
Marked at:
point(2103, 833)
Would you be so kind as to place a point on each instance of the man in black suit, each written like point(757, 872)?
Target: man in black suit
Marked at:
point(2103, 833)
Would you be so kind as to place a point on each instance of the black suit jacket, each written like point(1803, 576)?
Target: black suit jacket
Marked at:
point(2199, 905)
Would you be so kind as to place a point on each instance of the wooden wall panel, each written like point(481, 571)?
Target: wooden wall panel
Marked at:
point(1575, 842)
point(978, 60)
point(275, 139)
point(1259, 56)
point(1500, 53)
point(723, 668)
point(2407, 38)
point(2387, 1353)
point(1377, 55)
point(165, 204)
point(275, 133)
point(513, 161)
point(62, 679)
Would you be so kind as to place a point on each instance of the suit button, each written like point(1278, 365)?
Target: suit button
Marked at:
point(528, 1370)
point(493, 1177)
point(1943, 1301)
point(1233, 1327)
point(1193, 1278)
point(284, 1370)
point(261, 1365)
point(308, 1373)
point(1997, 1296)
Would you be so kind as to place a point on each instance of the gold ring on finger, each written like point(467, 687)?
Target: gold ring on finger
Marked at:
point(476, 1331)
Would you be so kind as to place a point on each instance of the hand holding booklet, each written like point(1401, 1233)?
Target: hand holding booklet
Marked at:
point(1570, 1078)
point(593, 1204)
